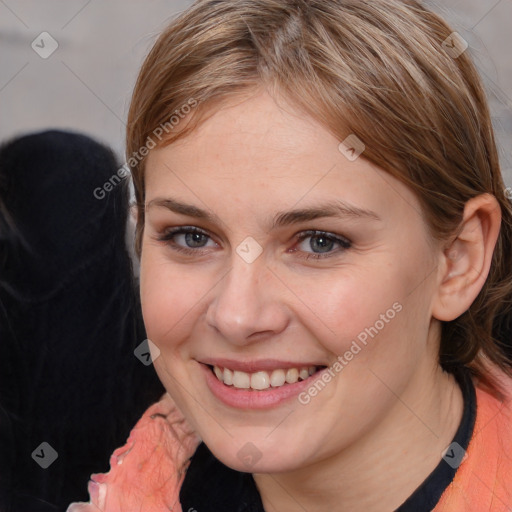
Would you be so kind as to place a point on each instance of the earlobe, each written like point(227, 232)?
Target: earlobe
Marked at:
point(466, 261)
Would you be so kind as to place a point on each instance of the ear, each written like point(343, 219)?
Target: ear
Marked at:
point(466, 261)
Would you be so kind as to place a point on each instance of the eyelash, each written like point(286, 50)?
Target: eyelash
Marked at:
point(169, 235)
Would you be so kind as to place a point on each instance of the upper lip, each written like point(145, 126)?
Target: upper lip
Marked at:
point(257, 364)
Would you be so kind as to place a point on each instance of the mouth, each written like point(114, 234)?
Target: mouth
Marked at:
point(258, 384)
point(263, 380)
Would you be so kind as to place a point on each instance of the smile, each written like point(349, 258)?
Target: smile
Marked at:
point(258, 384)
point(262, 380)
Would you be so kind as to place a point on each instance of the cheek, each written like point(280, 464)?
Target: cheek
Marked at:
point(358, 305)
point(170, 296)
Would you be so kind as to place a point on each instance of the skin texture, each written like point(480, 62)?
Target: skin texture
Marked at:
point(380, 426)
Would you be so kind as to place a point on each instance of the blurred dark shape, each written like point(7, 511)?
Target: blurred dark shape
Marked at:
point(69, 320)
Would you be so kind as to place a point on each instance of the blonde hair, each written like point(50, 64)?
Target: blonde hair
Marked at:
point(374, 69)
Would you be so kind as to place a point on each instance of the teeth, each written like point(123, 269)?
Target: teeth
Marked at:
point(228, 376)
point(292, 375)
point(241, 380)
point(278, 378)
point(262, 380)
point(303, 373)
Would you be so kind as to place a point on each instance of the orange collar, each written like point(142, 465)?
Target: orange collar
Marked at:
point(483, 482)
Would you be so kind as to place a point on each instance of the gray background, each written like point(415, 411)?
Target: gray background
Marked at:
point(86, 83)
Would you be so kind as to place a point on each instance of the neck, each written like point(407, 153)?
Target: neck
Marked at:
point(384, 467)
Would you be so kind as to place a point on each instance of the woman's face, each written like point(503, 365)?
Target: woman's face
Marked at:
point(298, 256)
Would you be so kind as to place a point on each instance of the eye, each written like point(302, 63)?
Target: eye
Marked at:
point(186, 239)
point(321, 244)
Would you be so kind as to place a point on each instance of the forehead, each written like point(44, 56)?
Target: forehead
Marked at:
point(259, 153)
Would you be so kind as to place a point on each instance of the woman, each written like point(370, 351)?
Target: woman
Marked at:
point(325, 248)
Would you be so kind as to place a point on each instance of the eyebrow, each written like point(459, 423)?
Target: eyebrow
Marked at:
point(337, 209)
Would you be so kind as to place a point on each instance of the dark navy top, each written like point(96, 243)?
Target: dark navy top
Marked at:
point(210, 486)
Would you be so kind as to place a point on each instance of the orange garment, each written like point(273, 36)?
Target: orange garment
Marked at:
point(483, 481)
point(147, 473)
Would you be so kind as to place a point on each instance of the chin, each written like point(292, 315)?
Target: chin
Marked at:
point(245, 456)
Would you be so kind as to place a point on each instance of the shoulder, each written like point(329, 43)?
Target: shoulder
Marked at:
point(483, 481)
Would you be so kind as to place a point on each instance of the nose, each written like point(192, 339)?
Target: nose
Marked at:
point(248, 303)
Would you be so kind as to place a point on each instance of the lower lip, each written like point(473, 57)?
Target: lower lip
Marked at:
point(252, 399)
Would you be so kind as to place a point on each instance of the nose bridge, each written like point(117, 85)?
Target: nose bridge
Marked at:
point(245, 302)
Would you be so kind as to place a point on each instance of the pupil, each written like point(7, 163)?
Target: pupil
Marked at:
point(194, 239)
point(322, 243)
